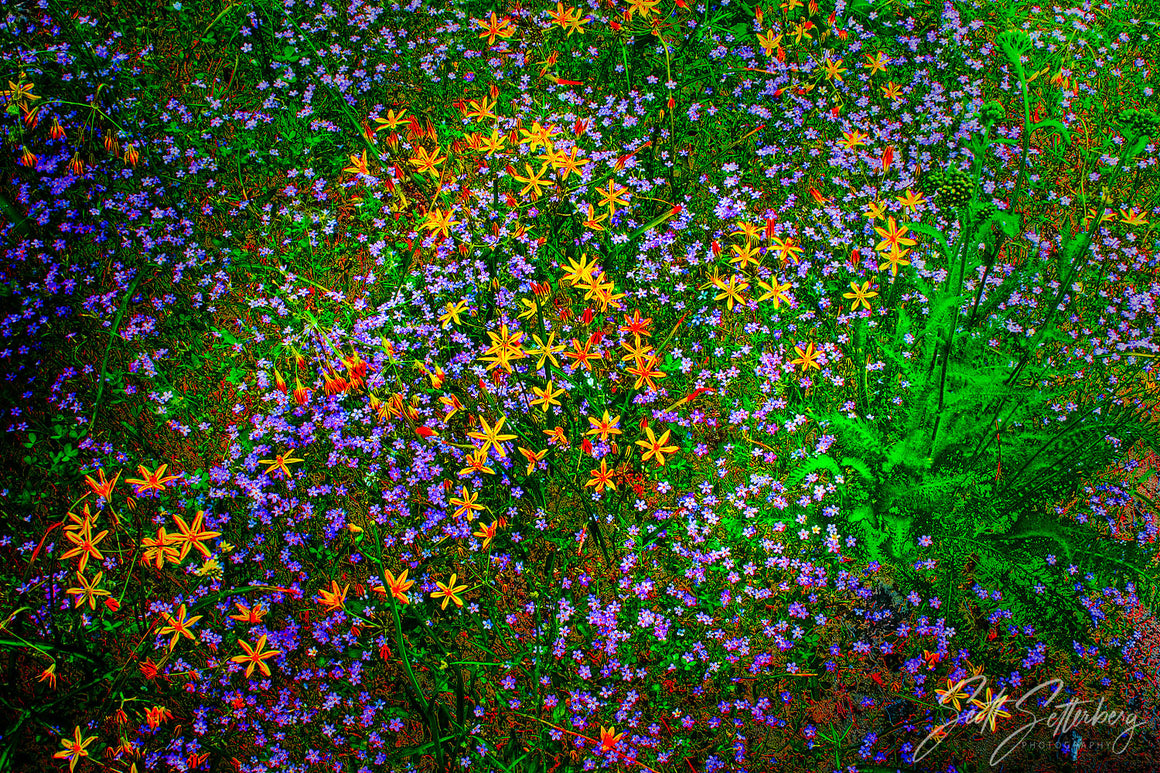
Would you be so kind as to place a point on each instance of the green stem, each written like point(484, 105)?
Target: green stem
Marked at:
point(109, 347)
point(1026, 138)
point(425, 704)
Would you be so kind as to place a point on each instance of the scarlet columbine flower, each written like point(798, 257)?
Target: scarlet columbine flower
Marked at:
point(131, 155)
point(334, 385)
point(57, 131)
point(28, 158)
point(31, 117)
point(356, 368)
point(49, 675)
point(111, 143)
point(156, 715)
point(149, 669)
point(76, 166)
point(301, 393)
point(279, 382)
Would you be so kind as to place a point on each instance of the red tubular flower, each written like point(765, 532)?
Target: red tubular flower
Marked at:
point(57, 131)
point(301, 393)
point(131, 155)
point(279, 382)
point(334, 385)
point(28, 158)
point(356, 369)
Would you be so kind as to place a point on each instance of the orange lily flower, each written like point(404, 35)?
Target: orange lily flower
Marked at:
point(248, 615)
point(333, 599)
point(177, 625)
point(86, 544)
point(74, 748)
point(609, 737)
point(358, 165)
point(397, 585)
point(280, 461)
point(601, 478)
point(151, 481)
point(449, 592)
point(102, 488)
point(192, 536)
point(255, 657)
point(160, 549)
point(655, 446)
point(486, 533)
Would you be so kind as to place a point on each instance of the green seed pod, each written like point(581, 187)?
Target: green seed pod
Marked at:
point(983, 212)
point(955, 189)
point(1143, 123)
point(991, 113)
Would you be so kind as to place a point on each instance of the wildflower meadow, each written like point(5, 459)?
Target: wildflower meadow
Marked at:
point(675, 386)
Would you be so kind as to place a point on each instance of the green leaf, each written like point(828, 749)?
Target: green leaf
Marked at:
point(858, 466)
point(1053, 124)
point(821, 462)
point(932, 232)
